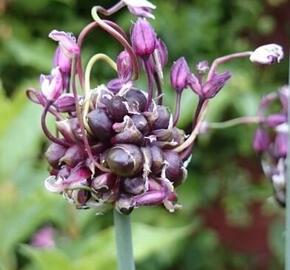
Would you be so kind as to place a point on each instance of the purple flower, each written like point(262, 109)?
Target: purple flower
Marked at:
point(215, 84)
point(162, 52)
point(124, 66)
point(281, 145)
point(267, 54)
point(143, 38)
point(44, 238)
point(211, 87)
point(52, 85)
point(261, 140)
point(179, 74)
point(202, 67)
point(67, 48)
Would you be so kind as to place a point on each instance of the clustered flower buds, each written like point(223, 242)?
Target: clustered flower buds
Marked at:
point(271, 140)
point(117, 145)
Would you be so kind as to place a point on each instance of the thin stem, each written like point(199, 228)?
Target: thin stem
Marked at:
point(124, 241)
point(177, 108)
point(287, 229)
point(224, 59)
point(120, 38)
point(235, 122)
point(158, 83)
point(82, 37)
point(149, 81)
point(80, 119)
point(45, 129)
point(112, 10)
point(190, 140)
point(92, 61)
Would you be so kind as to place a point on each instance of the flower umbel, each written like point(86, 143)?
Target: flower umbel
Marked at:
point(117, 145)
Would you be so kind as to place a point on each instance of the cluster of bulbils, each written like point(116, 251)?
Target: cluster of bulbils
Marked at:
point(117, 145)
point(271, 139)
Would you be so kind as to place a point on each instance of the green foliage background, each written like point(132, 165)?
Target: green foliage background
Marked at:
point(224, 174)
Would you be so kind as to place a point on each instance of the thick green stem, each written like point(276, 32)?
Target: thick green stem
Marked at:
point(287, 229)
point(124, 241)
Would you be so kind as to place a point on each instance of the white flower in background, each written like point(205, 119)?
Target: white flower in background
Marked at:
point(267, 54)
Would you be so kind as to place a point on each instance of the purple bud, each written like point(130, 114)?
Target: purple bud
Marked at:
point(52, 85)
point(54, 153)
point(261, 140)
point(275, 120)
point(62, 61)
point(281, 145)
point(179, 73)
point(215, 84)
point(143, 38)
point(162, 52)
point(124, 66)
point(44, 238)
point(67, 43)
point(115, 85)
point(194, 84)
point(65, 103)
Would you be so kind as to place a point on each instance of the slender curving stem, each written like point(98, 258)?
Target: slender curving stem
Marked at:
point(235, 122)
point(45, 129)
point(224, 59)
point(177, 108)
point(124, 244)
point(149, 81)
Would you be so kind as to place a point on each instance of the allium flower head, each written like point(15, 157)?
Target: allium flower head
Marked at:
point(267, 54)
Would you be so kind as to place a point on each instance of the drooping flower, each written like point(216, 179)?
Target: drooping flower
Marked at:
point(52, 85)
point(66, 50)
point(267, 54)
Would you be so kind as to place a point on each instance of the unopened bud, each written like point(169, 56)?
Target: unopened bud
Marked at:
point(124, 66)
point(175, 170)
point(281, 145)
point(116, 108)
point(73, 156)
point(179, 73)
point(261, 140)
point(143, 38)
